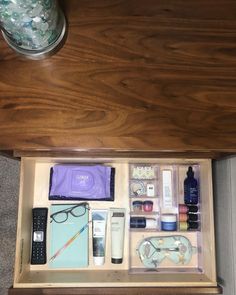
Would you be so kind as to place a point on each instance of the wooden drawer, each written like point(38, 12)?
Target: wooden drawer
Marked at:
point(34, 186)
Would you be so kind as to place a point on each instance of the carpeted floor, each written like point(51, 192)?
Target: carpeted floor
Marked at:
point(9, 187)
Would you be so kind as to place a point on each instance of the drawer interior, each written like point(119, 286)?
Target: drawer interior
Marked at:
point(200, 271)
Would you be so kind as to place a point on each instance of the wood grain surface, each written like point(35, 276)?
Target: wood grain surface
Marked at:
point(153, 75)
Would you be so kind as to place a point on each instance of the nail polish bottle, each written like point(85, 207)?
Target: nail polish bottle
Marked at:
point(188, 217)
point(187, 209)
point(188, 226)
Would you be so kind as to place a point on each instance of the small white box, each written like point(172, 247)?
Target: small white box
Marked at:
point(150, 190)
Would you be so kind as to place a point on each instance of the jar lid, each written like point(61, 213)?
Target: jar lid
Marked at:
point(168, 218)
point(137, 203)
point(148, 202)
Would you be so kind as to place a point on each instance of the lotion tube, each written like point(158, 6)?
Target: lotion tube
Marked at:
point(167, 189)
point(99, 219)
point(117, 234)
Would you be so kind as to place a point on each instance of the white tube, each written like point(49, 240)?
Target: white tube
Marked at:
point(167, 190)
point(99, 219)
point(117, 234)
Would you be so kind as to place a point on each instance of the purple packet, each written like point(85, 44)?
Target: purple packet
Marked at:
point(79, 182)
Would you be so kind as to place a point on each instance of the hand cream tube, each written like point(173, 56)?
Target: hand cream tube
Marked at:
point(117, 234)
point(99, 219)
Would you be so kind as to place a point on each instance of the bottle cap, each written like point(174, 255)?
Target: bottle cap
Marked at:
point(116, 260)
point(193, 225)
point(98, 260)
point(192, 208)
point(190, 172)
point(151, 223)
point(168, 218)
point(193, 217)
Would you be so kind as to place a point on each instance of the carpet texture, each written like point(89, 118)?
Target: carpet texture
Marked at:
point(9, 188)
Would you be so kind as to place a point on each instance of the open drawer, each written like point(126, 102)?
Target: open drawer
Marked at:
point(198, 274)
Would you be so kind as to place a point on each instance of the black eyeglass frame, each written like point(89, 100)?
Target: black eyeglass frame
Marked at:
point(69, 210)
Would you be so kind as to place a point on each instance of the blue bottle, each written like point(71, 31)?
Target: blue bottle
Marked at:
point(190, 188)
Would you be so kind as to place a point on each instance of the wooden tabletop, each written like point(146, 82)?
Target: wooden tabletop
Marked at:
point(157, 75)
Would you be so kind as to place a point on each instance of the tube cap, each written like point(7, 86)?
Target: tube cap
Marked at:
point(98, 260)
point(117, 260)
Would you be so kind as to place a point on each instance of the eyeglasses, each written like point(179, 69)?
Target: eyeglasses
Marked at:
point(76, 211)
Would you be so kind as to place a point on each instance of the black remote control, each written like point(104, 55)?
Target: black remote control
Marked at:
point(39, 231)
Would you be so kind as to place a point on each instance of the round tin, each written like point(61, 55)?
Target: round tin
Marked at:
point(168, 222)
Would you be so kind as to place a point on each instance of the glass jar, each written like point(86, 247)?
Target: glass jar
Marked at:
point(34, 28)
